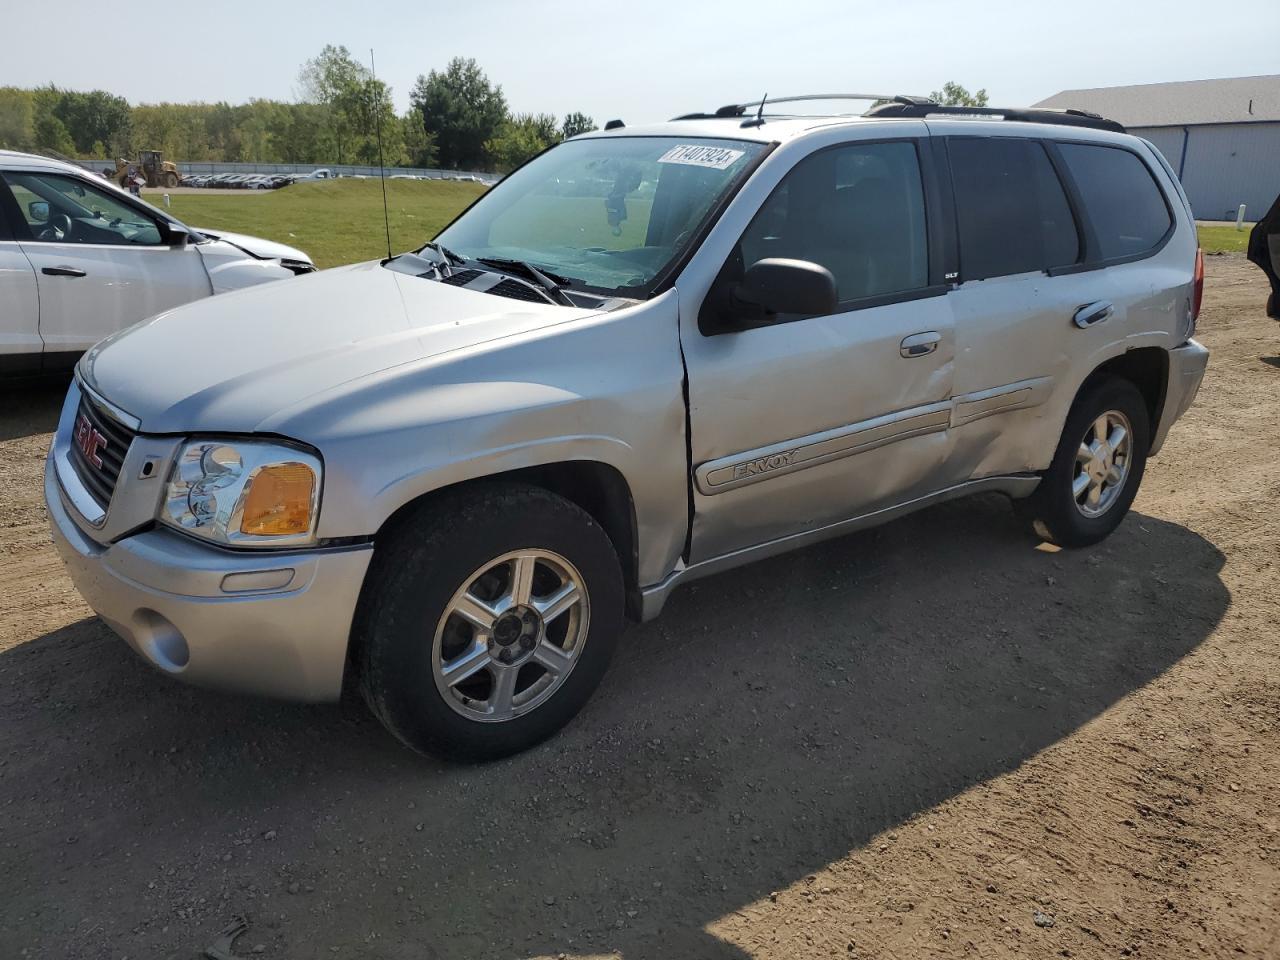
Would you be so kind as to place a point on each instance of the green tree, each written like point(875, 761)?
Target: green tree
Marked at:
point(93, 116)
point(576, 123)
point(51, 135)
point(462, 111)
point(953, 94)
point(419, 146)
point(520, 138)
point(17, 119)
point(335, 81)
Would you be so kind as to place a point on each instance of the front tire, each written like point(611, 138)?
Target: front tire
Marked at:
point(1096, 469)
point(489, 616)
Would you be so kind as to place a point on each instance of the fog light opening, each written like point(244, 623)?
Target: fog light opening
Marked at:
point(164, 644)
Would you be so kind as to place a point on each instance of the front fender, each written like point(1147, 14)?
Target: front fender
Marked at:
point(608, 390)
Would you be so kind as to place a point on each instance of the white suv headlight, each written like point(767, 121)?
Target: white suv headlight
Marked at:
point(244, 493)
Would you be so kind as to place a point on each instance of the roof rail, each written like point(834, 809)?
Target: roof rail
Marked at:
point(1065, 118)
point(740, 109)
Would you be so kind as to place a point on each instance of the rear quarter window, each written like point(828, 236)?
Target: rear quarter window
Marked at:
point(1122, 200)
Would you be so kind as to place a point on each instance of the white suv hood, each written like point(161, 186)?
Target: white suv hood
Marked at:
point(256, 246)
point(228, 363)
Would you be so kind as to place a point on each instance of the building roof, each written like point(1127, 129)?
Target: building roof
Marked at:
point(1230, 100)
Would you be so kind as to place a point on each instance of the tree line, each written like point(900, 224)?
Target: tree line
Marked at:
point(457, 119)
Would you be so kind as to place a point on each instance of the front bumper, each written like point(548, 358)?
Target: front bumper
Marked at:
point(1187, 364)
point(275, 624)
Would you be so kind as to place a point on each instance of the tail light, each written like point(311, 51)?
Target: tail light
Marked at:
point(1197, 291)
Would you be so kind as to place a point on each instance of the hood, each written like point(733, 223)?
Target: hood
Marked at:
point(256, 246)
point(230, 362)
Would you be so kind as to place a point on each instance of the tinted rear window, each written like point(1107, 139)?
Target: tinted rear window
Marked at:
point(1011, 210)
point(1121, 199)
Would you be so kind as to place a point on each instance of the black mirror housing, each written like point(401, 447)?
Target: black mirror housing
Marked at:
point(779, 285)
point(176, 235)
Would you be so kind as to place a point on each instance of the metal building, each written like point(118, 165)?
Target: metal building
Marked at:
point(1221, 136)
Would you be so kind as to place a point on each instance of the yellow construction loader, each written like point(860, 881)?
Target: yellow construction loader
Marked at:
point(151, 166)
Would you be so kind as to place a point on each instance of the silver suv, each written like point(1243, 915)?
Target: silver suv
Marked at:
point(649, 355)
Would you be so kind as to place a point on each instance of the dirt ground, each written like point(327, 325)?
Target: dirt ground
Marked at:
point(930, 740)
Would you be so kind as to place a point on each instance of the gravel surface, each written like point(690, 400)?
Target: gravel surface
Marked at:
point(929, 740)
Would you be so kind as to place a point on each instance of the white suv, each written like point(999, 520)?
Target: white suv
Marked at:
point(646, 356)
point(81, 259)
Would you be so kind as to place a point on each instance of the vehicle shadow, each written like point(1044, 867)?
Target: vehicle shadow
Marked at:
point(30, 406)
point(772, 720)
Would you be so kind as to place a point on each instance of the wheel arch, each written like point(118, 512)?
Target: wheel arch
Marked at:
point(597, 487)
point(1147, 368)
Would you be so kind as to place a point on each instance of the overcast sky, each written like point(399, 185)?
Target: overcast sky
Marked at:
point(648, 59)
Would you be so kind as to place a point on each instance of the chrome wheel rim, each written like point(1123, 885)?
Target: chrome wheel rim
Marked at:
point(1102, 464)
point(510, 636)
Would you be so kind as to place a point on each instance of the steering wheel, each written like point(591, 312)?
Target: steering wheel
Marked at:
point(57, 229)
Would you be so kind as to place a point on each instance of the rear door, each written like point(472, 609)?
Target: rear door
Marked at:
point(808, 421)
point(101, 262)
point(20, 342)
point(1052, 240)
point(1017, 291)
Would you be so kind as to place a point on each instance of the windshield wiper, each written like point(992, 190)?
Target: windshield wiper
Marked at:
point(451, 257)
point(553, 283)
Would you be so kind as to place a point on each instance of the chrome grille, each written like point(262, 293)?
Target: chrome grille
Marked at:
point(100, 481)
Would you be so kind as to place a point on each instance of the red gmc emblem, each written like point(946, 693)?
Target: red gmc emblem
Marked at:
point(89, 440)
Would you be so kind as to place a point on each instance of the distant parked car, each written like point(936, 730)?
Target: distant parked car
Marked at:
point(322, 173)
point(81, 259)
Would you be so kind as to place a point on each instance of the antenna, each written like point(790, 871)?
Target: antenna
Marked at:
point(382, 167)
point(760, 112)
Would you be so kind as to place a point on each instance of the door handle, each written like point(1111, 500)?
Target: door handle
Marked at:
point(62, 271)
point(1092, 313)
point(920, 344)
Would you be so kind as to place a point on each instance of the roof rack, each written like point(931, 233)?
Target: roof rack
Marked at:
point(1065, 118)
point(740, 109)
point(902, 106)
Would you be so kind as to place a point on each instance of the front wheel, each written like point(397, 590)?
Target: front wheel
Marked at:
point(487, 620)
point(1096, 469)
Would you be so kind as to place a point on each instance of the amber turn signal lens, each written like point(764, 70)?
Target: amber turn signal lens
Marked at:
point(279, 501)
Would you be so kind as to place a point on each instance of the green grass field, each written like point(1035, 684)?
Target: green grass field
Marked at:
point(336, 222)
point(340, 221)
point(1224, 239)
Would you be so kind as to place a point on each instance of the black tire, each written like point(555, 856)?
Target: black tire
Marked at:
point(1052, 509)
point(416, 571)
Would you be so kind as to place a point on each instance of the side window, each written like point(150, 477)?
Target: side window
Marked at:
point(59, 209)
point(1122, 201)
point(856, 210)
point(1011, 211)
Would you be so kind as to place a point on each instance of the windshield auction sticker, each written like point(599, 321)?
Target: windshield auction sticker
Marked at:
point(717, 158)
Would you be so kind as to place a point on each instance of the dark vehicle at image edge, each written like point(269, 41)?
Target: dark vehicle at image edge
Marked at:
point(649, 355)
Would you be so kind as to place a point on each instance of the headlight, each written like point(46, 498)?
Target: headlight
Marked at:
point(244, 493)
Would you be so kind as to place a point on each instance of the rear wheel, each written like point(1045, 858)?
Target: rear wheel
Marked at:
point(171, 179)
point(488, 619)
point(1096, 469)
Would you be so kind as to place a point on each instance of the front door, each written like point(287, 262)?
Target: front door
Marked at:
point(807, 421)
point(101, 263)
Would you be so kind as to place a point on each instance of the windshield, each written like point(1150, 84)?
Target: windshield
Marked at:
point(606, 214)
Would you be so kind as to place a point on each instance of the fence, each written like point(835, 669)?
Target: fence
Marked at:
point(337, 169)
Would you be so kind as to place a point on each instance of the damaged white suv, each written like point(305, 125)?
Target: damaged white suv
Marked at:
point(80, 259)
point(646, 356)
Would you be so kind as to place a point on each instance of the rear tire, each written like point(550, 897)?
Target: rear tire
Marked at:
point(457, 658)
point(1096, 469)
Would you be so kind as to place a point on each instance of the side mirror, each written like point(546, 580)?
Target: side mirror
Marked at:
point(177, 235)
point(38, 211)
point(778, 285)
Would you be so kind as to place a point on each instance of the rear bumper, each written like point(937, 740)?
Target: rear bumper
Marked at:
point(1187, 364)
point(275, 624)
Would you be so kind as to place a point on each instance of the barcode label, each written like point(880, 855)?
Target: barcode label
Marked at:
point(717, 158)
